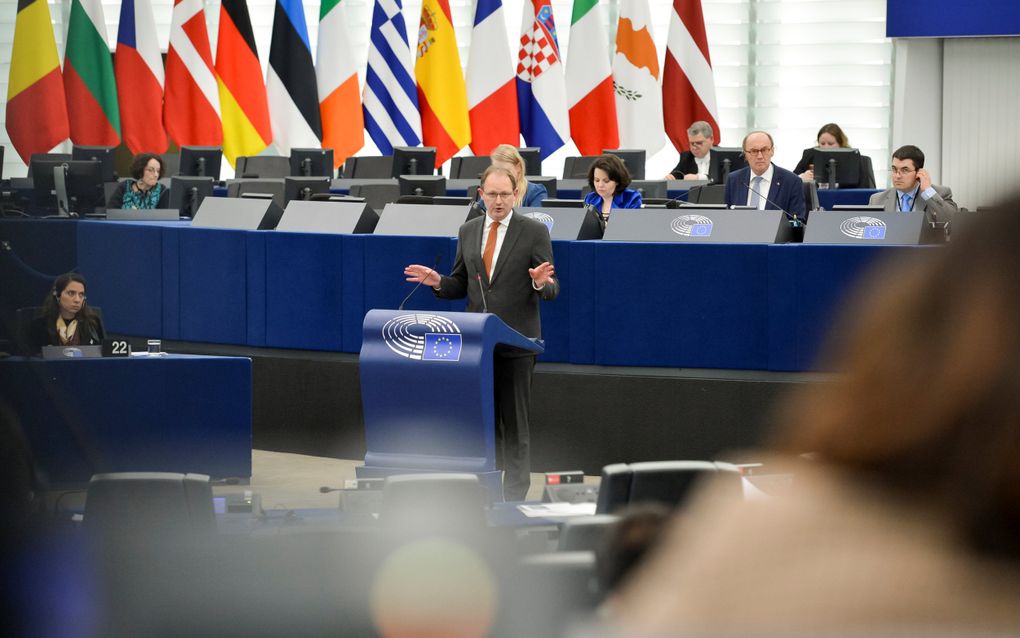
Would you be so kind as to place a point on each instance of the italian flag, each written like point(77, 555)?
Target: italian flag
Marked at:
point(336, 75)
point(88, 77)
point(590, 97)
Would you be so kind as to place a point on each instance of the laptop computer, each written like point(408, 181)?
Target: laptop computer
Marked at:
point(147, 215)
point(72, 352)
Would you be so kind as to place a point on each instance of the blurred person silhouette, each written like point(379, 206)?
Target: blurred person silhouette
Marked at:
point(908, 518)
point(625, 545)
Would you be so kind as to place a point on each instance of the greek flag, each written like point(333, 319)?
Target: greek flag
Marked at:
point(390, 98)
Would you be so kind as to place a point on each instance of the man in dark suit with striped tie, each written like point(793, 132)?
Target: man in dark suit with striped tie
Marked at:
point(510, 255)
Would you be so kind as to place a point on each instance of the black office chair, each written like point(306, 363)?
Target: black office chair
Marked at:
point(376, 195)
point(663, 482)
point(369, 167)
point(650, 188)
point(137, 505)
point(263, 166)
point(707, 194)
point(576, 167)
point(242, 187)
point(468, 167)
point(548, 182)
point(584, 533)
point(811, 196)
point(633, 159)
point(867, 173)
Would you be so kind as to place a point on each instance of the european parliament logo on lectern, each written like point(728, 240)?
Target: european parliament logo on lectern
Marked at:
point(423, 337)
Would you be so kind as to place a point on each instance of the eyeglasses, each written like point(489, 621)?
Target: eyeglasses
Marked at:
point(698, 143)
point(152, 169)
point(903, 170)
point(506, 197)
point(765, 150)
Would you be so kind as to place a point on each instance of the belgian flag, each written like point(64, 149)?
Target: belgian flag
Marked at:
point(36, 111)
point(243, 104)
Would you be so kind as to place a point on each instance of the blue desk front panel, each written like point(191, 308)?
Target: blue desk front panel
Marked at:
point(39, 251)
point(304, 291)
point(701, 306)
point(123, 264)
point(138, 414)
point(214, 285)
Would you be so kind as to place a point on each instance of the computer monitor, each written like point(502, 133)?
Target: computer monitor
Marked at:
point(102, 154)
point(532, 156)
point(311, 162)
point(75, 188)
point(303, 188)
point(56, 157)
point(200, 161)
point(837, 166)
point(730, 159)
point(633, 159)
point(187, 193)
point(413, 160)
point(428, 185)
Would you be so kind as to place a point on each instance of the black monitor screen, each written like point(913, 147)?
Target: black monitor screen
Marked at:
point(82, 181)
point(303, 187)
point(311, 162)
point(414, 160)
point(187, 193)
point(200, 161)
point(429, 185)
point(730, 159)
point(102, 154)
point(532, 156)
point(633, 159)
point(562, 203)
point(838, 167)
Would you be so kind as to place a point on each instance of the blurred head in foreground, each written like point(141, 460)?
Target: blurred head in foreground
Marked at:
point(908, 517)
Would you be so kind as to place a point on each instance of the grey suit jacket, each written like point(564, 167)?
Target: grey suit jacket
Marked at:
point(939, 208)
point(509, 294)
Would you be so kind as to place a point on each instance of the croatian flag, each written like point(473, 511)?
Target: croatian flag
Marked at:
point(138, 67)
point(541, 90)
point(491, 87)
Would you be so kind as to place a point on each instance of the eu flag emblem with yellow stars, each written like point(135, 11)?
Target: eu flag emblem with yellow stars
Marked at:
point(441, 347)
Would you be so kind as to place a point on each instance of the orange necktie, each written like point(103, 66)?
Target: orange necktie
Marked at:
point(490, 248)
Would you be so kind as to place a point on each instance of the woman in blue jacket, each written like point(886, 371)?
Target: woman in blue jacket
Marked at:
point(609, 178)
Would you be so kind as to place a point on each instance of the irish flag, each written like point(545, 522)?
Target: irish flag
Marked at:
point(590, 98)
point(336, 75)
point(88, 77)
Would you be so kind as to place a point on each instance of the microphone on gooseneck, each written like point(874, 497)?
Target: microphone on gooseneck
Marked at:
point(439, 258)
point(481, 288)
point(795, 222)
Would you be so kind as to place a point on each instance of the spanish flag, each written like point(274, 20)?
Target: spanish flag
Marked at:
point(243, 104)
point(36, 110)
point(442, 95)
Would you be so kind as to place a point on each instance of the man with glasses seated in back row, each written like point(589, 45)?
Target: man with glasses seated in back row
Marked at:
point(763, 185)
point(698, 162)
point(912, 188)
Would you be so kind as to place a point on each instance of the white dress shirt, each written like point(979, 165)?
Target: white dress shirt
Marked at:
point(500, 236)
point(762, 188)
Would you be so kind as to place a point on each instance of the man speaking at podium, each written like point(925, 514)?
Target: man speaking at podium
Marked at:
point(503, 266)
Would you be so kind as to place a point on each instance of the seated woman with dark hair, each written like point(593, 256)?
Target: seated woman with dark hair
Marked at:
point(143, 190)
point(609, 178)
point(65, 319)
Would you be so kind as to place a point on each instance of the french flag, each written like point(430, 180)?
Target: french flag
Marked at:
point(491, 87)
point(138, 68)
point(541, 90)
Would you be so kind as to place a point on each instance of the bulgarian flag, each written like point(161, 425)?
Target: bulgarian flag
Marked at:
point(36, 110)
point(590, 98)
point(88, 77)
point(442, 94)
point(336, 76)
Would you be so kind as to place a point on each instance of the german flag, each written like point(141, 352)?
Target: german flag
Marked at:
point(36, 110)
point(243, 105)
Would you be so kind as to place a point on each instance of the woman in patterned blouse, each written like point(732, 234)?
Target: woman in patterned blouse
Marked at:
point(144, 189)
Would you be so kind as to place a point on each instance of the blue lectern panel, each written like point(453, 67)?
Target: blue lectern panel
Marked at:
point(426, 384)
point(701, 306)
point(304, 284)
point(353, 289)
point(214, 282)
point(160, 414)
point(124, 267)
point(579, 289)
